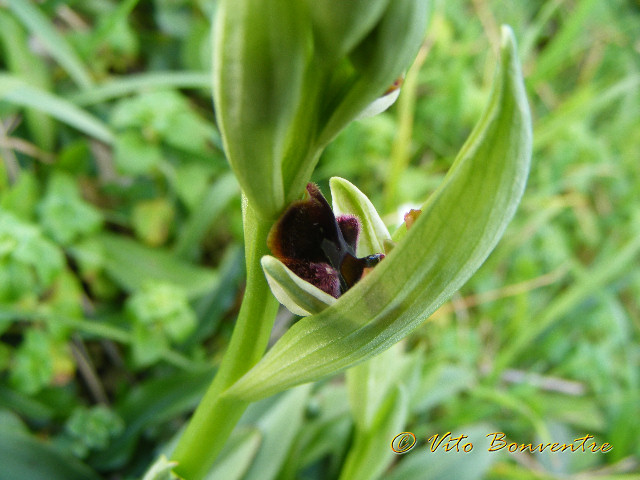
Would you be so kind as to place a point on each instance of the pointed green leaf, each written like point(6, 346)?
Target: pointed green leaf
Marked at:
point(279, 427)
point(161, 470)
point(239, 453)
point(300, 297)
point(459, 226)
point(347, 199)
point(370, 454)
point(370, 382)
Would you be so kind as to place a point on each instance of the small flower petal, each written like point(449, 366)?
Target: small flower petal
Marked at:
point(349, 200)
point(300, 297)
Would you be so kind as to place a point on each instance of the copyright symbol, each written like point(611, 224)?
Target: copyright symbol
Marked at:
point(403, 442)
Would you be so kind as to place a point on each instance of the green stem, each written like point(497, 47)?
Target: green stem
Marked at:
point(216, 416)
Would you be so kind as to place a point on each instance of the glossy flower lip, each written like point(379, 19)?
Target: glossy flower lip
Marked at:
point(318, 247)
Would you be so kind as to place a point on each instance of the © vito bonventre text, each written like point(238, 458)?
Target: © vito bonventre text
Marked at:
point(405, 441)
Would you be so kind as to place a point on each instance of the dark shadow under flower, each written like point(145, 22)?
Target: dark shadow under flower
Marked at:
point(317, 246)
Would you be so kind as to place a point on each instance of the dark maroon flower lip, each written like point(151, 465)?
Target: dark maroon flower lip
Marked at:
point(317, 246)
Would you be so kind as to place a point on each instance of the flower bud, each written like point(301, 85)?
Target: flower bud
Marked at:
point(261, 51)
point(289, 75)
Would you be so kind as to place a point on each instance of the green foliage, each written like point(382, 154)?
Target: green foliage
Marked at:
point(30, 262)
point(160, 314)
point(120, 245)
point(92, 429)
point(64, 215)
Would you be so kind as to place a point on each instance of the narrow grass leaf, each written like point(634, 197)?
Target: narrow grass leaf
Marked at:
point(123, 86)
point(15, 91)
point(216, 199)
point(22, 62)
point(597, 279)
point(55, 43)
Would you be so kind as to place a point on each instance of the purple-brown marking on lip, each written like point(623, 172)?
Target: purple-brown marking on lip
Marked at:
point(317, 246)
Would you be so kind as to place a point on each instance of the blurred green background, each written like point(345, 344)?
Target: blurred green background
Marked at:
point(121, 264)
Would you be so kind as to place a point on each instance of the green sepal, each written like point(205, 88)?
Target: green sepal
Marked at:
point(261, 51)
point(348, 199)
point(459, 226)
point(300, 297)
point(339, 26)
point(380, 60)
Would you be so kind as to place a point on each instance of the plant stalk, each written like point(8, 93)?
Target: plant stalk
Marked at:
point(216, 416)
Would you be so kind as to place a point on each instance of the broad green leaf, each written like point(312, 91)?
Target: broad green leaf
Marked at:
point(132, 265)
point(459, 226)
point(24, 456)
point(347, 199)
point(300, 297)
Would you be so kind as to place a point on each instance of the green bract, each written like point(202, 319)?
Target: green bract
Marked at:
point(289, 75)
point(459, 226)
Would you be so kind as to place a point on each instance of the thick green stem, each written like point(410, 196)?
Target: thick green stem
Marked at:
point(216, 416)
